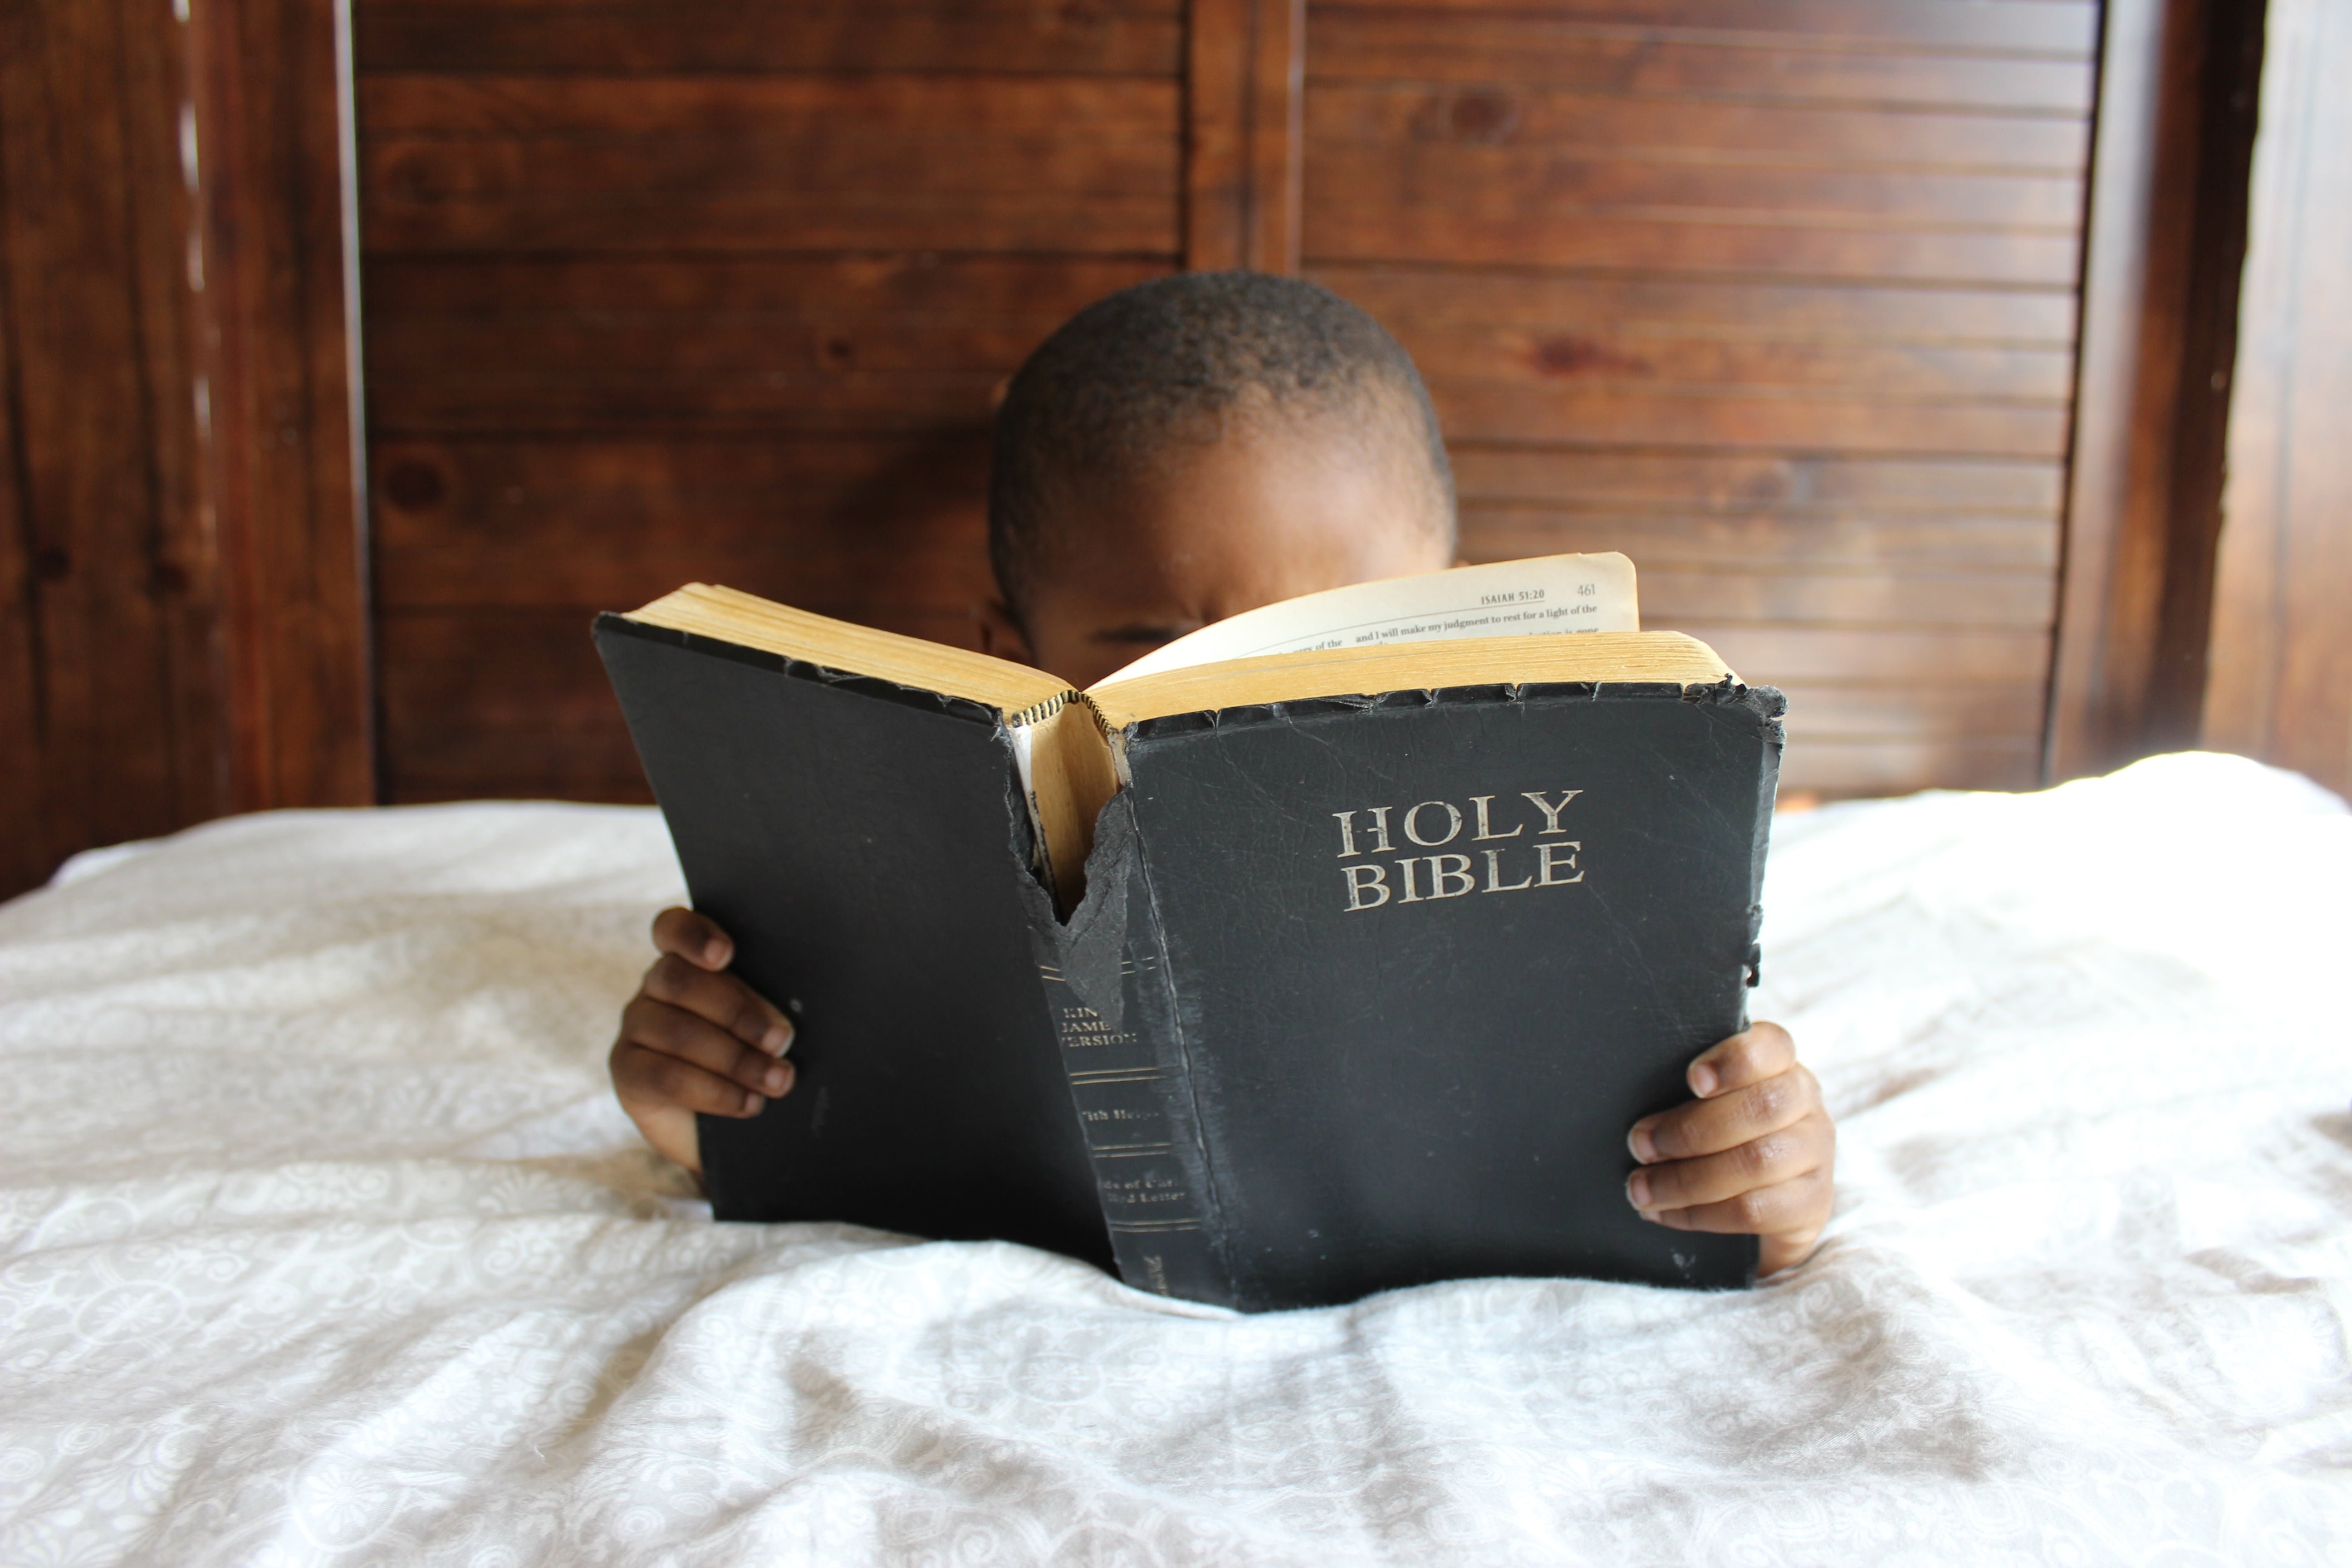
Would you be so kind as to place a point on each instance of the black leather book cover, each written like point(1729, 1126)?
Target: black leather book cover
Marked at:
point(1364, 993)
point(1432, 955)
point(867, 847)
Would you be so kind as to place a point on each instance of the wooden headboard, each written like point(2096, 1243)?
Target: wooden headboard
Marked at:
point(1873, 329)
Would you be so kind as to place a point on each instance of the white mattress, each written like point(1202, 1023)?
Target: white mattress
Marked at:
point(323, 1242)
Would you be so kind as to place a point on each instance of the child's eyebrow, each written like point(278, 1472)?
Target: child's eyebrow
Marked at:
point(1141, 632)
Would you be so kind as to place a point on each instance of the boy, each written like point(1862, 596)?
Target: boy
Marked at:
point(1179, 452)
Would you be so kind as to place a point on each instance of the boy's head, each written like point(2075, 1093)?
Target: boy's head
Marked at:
point(1198, 445)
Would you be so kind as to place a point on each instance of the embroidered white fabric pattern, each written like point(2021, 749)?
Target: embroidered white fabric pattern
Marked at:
point(321, 1241)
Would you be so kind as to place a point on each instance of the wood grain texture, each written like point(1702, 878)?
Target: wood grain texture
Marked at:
point(2066, 29)
point(2165, 248)
point(2280, 680)
point(1244, 79)
point(1565, 51)
point(269, 116)
point(600, 37)
point(1777, 295)
point(783, 343)
point(718, 291)
point(841, 526)
point(776, 162)
point(110, 711)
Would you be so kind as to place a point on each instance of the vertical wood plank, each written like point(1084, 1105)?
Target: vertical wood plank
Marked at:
point(2164, 243)
point(1244, 70)
point(2128, 363)
point(107, 700)
point(2281, 678)
point(271, 86)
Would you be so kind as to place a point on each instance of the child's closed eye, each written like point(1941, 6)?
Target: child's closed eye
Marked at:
point(1142, 635)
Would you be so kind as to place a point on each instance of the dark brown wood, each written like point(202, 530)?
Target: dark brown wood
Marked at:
point(1795, 419)
point(271, 123)
point(788, 344)
point(1744, 484)
point(1795, 140)
point(1564, 51)
point(2065, 28)
point(1433, 301)
point(843, 526)
point(2281, 681)
point(1775, 295)
point(661, 37)
point(713, 291)
point(109, 706)
point(511, 701)
point(1772, 540)
point(2164, 246)
point(1343, 223)
point(769, 163)
point(1244, 77)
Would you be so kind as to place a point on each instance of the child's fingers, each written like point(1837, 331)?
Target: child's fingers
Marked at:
point(682, 933)
point(1731, 1119)
point(1796, 1208)
point(674, 1032)
point(645, 1077)
point(1798, 1150)
point(1758, 1052)
point(722, 999)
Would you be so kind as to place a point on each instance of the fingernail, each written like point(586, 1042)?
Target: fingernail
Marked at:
point(1637, 1190)
point(714, 955)
point(1639, 1141)
point(777, 1079)
point(750, 1103)
point(1702, 1079)
point(777, 1040)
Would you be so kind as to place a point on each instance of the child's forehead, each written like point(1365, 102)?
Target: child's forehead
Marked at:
point(1261, 496)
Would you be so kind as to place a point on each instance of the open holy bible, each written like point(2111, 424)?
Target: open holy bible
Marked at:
point(1330, 948)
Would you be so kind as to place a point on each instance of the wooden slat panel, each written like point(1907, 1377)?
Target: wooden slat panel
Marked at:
point(1430, 46)
point(1598, 177)
point(778, 344)
point(1530, 48)
point(2281, 675)
point(770, 162)
point(1767, 540)
point(109, 703)
point(1677, 592)
point(2003, 713)
point(1128, 37)
point(1779, 654)
point(1529, 119)
point(512, 702)
point(1805, 484)
point(1349, 221)
point(400, 288)
point(2068, 29)
point(507, 703)
point(1425, 303)
point(863, 529)
point(1706, 417)
point(1842, 767)
point(1631, 357)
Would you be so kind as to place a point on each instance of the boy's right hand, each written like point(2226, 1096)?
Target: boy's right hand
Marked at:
point(695, 1037)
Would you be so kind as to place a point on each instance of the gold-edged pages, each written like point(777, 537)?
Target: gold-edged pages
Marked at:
point(1065, 738)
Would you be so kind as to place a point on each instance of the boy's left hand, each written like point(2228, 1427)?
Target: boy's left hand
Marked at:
point(1752, 1155)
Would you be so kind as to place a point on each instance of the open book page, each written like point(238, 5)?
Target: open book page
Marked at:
point(1548, 594)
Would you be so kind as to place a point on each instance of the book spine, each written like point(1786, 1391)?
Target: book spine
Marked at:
point(1115, 1023)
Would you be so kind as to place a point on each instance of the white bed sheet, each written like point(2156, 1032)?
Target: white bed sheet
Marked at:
point(321, 1241)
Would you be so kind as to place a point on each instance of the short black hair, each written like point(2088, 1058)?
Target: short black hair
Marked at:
point(1167, 360)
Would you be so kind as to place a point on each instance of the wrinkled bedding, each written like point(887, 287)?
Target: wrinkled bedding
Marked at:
point(322, 1242)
